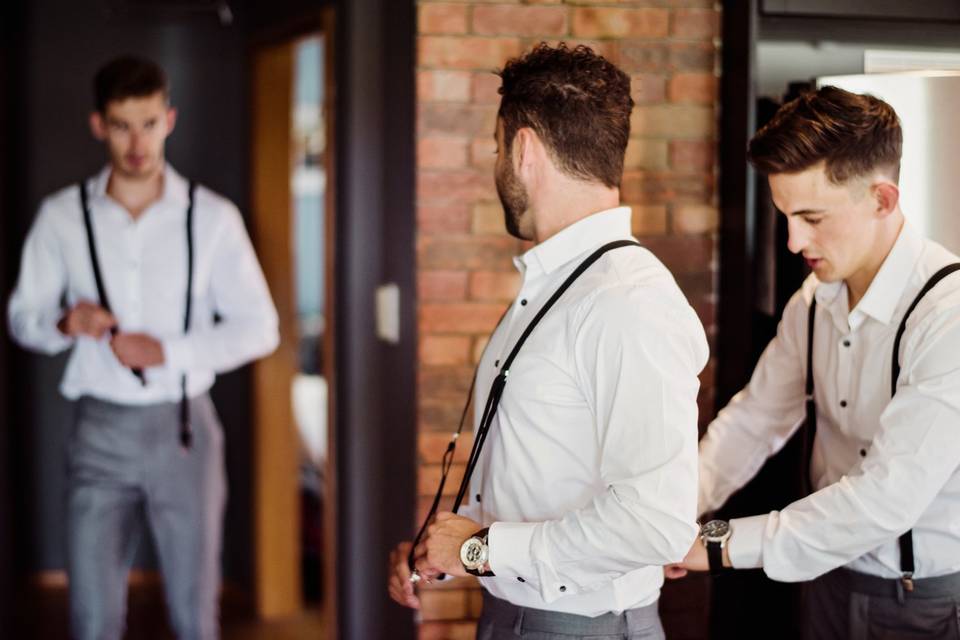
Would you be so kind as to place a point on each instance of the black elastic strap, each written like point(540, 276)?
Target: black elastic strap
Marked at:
point(907, 565)
point(810, 416)
point(186, 429)
point(715, 559)
point(493, 398)
point(97, 277)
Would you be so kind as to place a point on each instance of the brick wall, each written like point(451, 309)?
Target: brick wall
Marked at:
point(465, 273)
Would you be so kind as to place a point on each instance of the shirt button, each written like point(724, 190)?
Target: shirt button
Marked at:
point(519, 579)
point(496, 363)
point(863, 453)
point(846, 343)
point(523, 302)
point(562, 588)
point(843, 403)
point(478, 497)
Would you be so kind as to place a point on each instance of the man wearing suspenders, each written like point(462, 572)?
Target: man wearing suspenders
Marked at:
point(582, 478)
point(866, 361)
point(144, 260)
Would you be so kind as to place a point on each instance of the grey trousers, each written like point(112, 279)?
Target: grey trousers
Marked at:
point(501, 620)
point(846, 605)
point(125, 461)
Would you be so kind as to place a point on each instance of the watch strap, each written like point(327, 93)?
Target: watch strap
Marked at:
point(715, 558)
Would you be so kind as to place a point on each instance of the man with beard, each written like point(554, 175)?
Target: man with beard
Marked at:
point(144, 260)
point(586, 483)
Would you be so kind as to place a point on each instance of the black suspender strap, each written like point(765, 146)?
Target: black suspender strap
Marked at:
point(496, 392)
point(186, 429)
point(907, 566)
point(95, 260)
point(810, 418)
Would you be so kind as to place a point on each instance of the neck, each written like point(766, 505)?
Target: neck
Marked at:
point(135, 194)
point(569, 204)
point(859, 282)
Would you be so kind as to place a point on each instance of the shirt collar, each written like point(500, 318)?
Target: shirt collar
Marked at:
point(885, 291)
point(590, 232)
point(174, 185)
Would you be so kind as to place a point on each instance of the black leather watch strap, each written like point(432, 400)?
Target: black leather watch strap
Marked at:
point(715, 558)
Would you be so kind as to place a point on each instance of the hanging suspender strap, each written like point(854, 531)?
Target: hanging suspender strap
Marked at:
point(496, 392)
point(186, 429)
point(810, 418)
point(907, 566)
point(97, 276)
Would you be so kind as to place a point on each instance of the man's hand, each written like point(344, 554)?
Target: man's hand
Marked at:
point(695, 560)
point(398, 583)
point(86, 319)
point(137, 350)
point(439, 551)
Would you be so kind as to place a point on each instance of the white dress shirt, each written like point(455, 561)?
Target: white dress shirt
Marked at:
point(143, 263)
point(589, 471)
point(881, 467)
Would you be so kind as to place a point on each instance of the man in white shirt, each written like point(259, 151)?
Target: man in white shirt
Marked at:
point(586, 483)
point(144, 261)
point(878, 466)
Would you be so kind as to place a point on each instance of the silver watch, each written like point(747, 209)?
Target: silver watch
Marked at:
point(474, 553)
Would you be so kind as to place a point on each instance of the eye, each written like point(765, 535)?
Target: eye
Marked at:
point(812, 221)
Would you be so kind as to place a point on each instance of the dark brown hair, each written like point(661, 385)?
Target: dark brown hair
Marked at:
point(127, 77)
point(577, 102)
point(853, 134)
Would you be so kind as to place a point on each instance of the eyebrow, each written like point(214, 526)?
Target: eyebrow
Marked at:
point(800, 212)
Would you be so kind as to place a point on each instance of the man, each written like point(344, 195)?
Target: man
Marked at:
point(120, 249)
point(880, 465)
point(586, 483)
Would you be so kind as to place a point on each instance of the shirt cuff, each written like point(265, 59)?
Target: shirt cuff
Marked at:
point(177, 354)
point(509, 545)
point(745, 545)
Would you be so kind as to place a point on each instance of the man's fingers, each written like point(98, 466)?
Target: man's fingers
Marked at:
point(674, 571)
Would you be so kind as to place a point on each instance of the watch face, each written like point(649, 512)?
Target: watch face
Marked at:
point(473, 553)
point(715, 530)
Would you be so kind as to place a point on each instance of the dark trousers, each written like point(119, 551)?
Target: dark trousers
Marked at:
point(125, 461)
point(501, 620)
point(846, 605)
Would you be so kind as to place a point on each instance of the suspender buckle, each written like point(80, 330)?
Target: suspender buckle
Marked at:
point(906, 579)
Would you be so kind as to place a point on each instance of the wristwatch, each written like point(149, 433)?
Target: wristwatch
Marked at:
point(714, 535)
point(474, 553)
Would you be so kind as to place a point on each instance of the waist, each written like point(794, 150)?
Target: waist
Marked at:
point(856, 582)
point(571, 624)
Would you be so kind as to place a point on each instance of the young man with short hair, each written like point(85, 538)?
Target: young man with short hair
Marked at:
point(145, 260)
point(586, 482)
point(878, 533)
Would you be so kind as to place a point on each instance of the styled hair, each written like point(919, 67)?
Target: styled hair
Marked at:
point(128, 77)
point(853, 134)
point(577, 102)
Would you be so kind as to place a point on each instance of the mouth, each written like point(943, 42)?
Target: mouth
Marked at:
point(812, 262)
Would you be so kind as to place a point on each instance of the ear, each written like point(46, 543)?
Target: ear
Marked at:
point(171, 119)
point(97, 126)
point(887, 197)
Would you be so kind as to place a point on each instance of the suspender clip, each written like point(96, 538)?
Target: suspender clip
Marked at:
point(906, 579)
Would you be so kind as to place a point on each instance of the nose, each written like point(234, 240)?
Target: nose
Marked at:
point(797, 239)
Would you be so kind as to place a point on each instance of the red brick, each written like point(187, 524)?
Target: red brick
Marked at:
point(645, 153)
point(485, 88)
point(446, 286)
point(666, 57)
point(479, 344)
point(442, 604)
point(698, 88)
point(442, 18)
point(432, 446)
point(695, 24)
point(682, 254)
point(487, 218)
point(466, 120)
point(445, 383)
point(474, 603)
point(454, 186)
point(453, 217)
point(503, 20)
point(664, 187)
point(483, 153)
point(605, 48)
point(648, 88)
point(470, 317)
point(444, 350)
point(492, 253)
point(673, 121)
point(693, 155)
point(694, 218)
point(441, 153)
point(440, 415)
point(423, 509)
point(447, 631)
point(443, 86)
point(620, 23)
point(466, 52)
point(648, 220)
point(494, 285)
point(428, 479)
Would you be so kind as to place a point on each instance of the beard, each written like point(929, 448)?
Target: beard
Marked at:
point(513, 198)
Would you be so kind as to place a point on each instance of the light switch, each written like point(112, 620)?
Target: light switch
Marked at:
point(388, 313)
